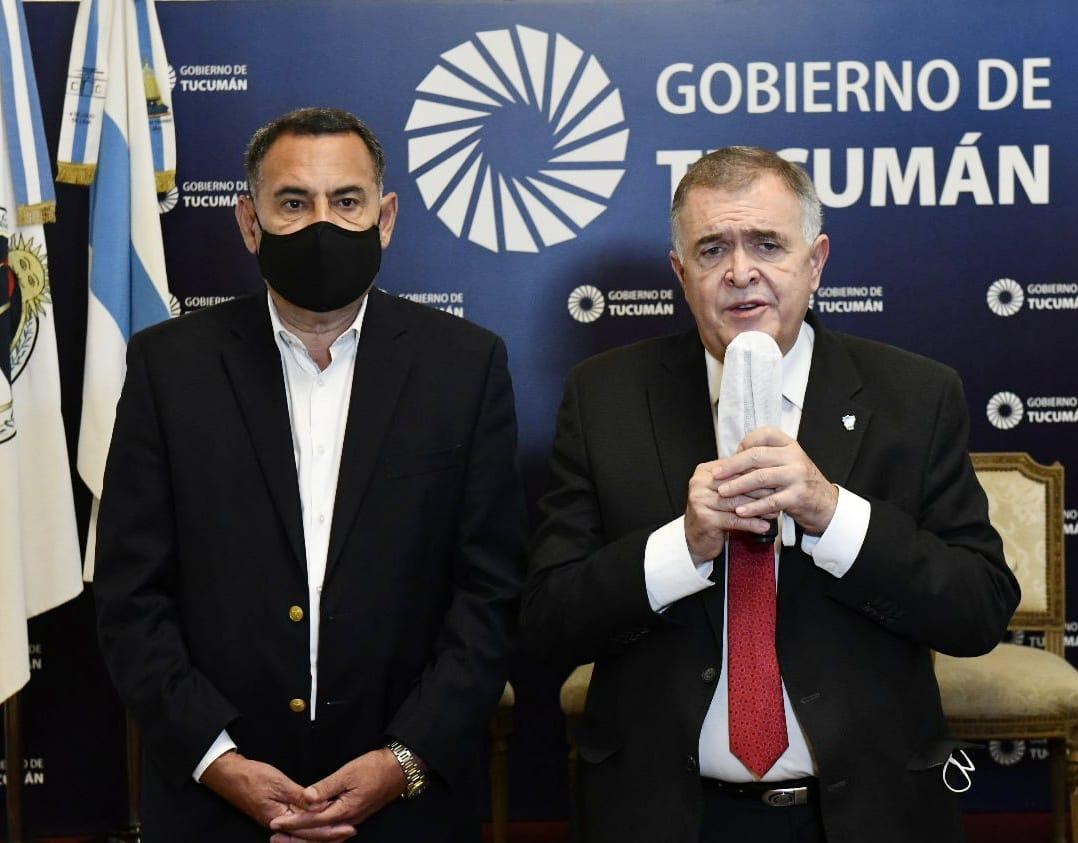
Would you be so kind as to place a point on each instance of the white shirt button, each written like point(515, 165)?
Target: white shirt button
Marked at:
point(321, 450)
point(321, 518)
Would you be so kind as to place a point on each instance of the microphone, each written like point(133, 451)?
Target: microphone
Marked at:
point(750, 396)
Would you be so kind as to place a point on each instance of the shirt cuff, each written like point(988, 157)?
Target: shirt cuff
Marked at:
point(218, 748)
point(669, 572)
point(836, 550)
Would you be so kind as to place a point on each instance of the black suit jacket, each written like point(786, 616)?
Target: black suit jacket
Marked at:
point(200, 556)
point(854, 652)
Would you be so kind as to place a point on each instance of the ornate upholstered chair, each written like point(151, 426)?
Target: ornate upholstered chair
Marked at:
point(1017, 691)
point(500, 728)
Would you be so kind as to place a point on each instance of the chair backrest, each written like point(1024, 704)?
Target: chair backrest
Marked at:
point(1025, 504)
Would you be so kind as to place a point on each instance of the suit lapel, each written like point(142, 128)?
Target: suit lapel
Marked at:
point(253, 364)
point(681, 415)
point(833, 382)
point(684, 426)
point(823, 434)
point(382, 364)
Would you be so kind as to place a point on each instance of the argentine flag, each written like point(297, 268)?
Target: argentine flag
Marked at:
point(128, 287)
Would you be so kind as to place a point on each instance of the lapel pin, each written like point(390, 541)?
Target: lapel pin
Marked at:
point(849, 421)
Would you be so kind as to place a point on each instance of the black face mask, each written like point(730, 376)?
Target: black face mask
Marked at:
point(321, 267)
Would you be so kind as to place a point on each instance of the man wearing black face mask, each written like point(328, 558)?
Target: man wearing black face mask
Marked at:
point(309, 540)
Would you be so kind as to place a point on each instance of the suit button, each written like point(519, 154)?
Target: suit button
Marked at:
point(295, 614)
point(709, 675)
point(690, 764)
point(297, 705)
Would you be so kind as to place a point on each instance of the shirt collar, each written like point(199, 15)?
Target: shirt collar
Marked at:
point(282, 333)
point(795, 369)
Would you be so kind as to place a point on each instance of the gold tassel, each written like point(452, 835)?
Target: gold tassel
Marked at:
point(38, 214)
point(165, 180)
point(69, 172)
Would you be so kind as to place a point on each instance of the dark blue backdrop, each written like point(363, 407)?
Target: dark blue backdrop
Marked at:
point(942, 193)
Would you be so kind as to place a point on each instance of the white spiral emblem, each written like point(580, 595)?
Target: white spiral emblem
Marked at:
point(1005, 410)
point(1007, 757)
point(517, 138)
point(586, 303)
point(1005, 297)
point(167, 201)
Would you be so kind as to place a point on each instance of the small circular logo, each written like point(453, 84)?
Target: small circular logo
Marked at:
point(1005, 410)
point(1005, 297)
point(1007, 753)
point(586, 303)
point(517, 139)
point(167, 201)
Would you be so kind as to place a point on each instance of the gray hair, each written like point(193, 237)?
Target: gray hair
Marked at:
point(735, 168)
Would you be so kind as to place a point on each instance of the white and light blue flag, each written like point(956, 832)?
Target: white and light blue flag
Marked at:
point(39, 547)
point(128, 285)
point(89, 74)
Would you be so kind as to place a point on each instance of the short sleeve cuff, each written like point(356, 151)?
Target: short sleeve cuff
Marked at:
point(669, 572)
point(219, 747)
point(836, 550)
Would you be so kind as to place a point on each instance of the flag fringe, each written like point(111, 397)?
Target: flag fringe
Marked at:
point(164, 180)
point(38, 214)
point(70, 172)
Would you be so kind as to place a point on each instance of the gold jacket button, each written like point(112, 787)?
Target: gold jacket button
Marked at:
point(295, 614)
point(297, 705)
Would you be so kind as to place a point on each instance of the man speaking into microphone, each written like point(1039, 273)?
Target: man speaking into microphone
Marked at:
point(749, 687)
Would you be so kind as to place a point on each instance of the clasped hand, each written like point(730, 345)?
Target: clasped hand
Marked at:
point(328, 810)
point(769, 474)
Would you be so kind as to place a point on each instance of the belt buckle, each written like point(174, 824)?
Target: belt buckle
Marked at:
point(783, 797)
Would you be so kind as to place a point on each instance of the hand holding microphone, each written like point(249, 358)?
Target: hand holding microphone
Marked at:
point(761, 472)
point(757, 461)
point(750, 396)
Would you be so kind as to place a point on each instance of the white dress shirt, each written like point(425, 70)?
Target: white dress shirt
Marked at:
point(670, 575)
point(317, 413)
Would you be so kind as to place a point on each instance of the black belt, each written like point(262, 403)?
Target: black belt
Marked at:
point(776, 794)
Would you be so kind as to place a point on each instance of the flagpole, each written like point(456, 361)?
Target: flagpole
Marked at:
point(133, 743)
point(14, 762)
point(133, 832)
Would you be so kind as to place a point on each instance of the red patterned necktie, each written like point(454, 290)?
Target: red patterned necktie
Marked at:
point(757, 719)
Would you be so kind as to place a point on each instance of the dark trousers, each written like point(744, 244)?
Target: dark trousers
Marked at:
point(732, 819)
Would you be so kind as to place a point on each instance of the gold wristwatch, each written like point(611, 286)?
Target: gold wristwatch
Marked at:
point(415, 777)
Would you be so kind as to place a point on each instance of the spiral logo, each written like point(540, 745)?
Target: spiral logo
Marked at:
point(1005, 297)
point(1007, 753)
point(517, 139)
point(167, 201)
point(1005, 410)
point(586, 303)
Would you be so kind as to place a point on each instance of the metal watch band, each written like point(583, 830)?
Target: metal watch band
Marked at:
point(414, 777)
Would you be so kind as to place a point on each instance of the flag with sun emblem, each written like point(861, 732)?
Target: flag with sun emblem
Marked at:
point(39, 548)
point(14, 644)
